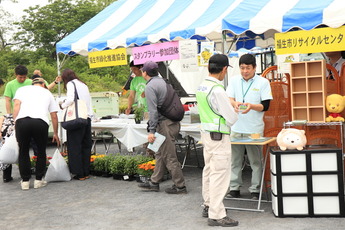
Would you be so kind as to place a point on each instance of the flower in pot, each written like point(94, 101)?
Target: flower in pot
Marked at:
point(139, 114)
point(146, 169)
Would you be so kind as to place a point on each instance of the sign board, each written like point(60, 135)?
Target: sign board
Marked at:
point(206, 51)
point(188, 55)
point(107, 58)
point(156, 52)
point(311, 41)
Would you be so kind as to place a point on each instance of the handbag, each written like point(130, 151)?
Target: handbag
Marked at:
point(75, 115)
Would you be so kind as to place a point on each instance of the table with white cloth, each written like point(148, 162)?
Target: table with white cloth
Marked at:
point(132, 135)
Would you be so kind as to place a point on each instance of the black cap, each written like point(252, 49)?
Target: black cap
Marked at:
point(219, 59)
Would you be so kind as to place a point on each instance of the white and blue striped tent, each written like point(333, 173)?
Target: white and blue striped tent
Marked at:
point(128, 23)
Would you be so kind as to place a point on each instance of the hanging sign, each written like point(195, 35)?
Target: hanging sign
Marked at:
point(156, 52)
point(188, 55)
point(107, 58)
point(311, 41)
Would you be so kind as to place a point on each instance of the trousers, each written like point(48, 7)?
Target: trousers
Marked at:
point(79, 144)
point(26, 129)
point(216, 173)
point(166, 158)
point(254, 154)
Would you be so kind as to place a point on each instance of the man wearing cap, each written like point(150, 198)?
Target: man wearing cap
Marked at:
point(166, 158)
point(11, 88)
point(30, 112)
point(250, 95)
point(216, 116)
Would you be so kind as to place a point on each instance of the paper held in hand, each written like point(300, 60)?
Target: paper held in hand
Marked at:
point(157, 143)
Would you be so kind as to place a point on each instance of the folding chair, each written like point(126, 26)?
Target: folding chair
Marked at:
point(187, 145)
point(106, 138)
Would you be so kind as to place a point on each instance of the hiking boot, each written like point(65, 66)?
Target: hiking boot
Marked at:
point(233, 194)
point(205, 211)
point(224, 222)
point(25, 185)
point(40, 183)
point(150, 186)
point(175, 190)
point(255, 195)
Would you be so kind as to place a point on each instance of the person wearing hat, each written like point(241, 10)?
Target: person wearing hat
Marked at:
point(137, 89)
point(250, 95)
point(216, 116)
point(166, 158)
point(30, 112)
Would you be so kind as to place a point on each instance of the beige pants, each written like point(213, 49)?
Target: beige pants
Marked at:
point(216, 174)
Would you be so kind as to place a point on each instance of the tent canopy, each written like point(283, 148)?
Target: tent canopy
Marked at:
point(127, 23)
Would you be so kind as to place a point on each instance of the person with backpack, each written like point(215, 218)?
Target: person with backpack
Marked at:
point(164, 118)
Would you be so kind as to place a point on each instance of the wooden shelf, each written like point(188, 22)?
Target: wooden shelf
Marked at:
point(307, 91)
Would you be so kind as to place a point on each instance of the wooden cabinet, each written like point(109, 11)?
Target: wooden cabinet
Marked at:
point(308, 91)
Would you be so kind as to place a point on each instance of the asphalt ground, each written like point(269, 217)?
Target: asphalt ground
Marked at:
point(105, 203)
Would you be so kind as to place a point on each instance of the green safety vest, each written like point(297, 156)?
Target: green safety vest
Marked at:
point(210, 120)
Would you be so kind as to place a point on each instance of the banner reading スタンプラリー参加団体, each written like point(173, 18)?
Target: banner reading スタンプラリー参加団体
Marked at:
point(107, 58)
point(310, 41)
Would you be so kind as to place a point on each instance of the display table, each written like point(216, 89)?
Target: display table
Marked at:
point(257, 142)
point(132, 135)
point(307, 183)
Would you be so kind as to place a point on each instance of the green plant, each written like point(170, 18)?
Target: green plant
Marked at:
point(99, 164)
point(117, 164)
point(139, 113)
point(131, 165)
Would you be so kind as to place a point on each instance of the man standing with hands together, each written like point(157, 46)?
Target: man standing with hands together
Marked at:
point(217, 116)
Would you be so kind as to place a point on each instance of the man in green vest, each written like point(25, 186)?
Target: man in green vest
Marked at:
point(217, 116)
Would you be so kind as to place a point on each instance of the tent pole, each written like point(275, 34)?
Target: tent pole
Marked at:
point(223, 52)
point(58, 72)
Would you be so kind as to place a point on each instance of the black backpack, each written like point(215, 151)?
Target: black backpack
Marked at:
point(172, 107)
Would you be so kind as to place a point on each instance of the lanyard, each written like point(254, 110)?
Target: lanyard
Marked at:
point(244, 94)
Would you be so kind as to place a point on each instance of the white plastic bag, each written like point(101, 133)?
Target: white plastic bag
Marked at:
point(9, 152)
point(58, 169)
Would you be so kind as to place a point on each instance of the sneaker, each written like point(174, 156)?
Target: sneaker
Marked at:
point(40, 183)
point(255, 195)
point(233, 194)
point(175, 190)
point(25, 185)
point(224, 222)
point(148, 185)
point(205, 211)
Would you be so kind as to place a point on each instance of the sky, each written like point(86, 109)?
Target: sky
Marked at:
point(16, 9)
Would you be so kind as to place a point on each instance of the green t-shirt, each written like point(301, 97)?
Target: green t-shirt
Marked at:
point(12, 87)
point(138, 85)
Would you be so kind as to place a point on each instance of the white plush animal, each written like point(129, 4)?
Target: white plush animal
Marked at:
point(291, 139)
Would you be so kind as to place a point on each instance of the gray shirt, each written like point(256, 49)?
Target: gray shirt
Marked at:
point(155, 92)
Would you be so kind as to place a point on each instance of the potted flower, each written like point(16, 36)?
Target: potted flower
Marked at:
point(139, 114)
point(145, 170)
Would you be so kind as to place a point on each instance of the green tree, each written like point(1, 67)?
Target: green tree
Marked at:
point(43, 27)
